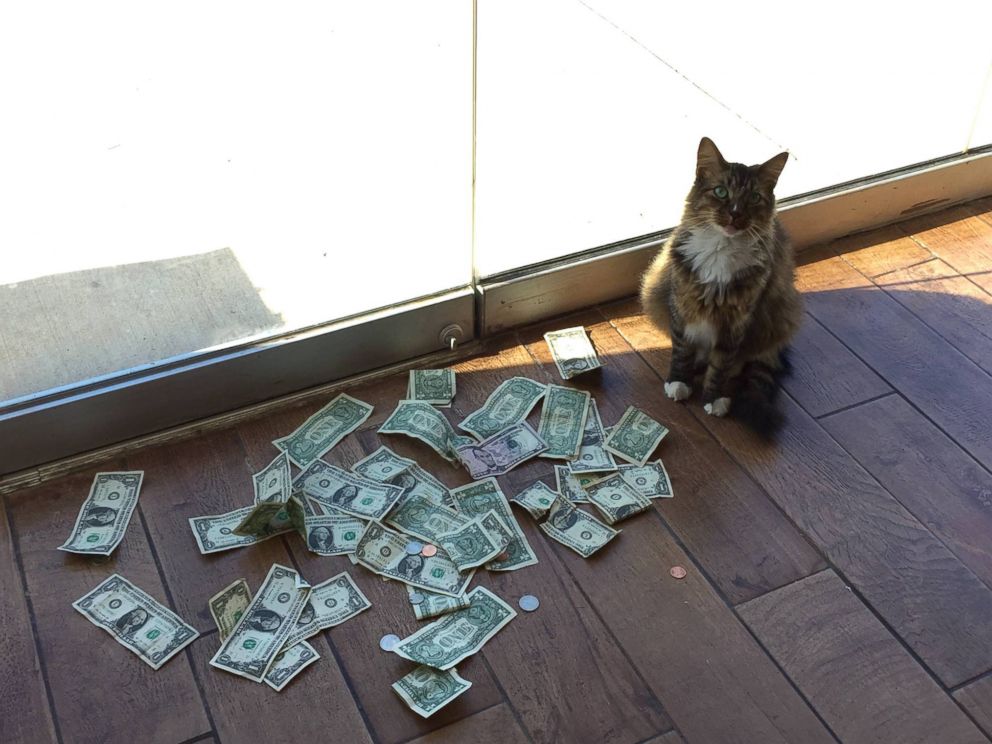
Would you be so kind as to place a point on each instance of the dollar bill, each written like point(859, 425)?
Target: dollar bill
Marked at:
point(536, 499)
point(507, 405)
point(214, 533)
point(228, 605)
point(502, 452)
point(348, 492)
point(383, 551)
point(331, 603)
point(274, 482)
point(570, 485)
point(435, 605)
point(135, 620)
point(572, 351)
point(289, 663)
point(382, 465)
point(262, 519)
point(616, 499)
point(426, 690)
point(324, 429)
point(472, 544)
point(593, 457)
point(563, 421)
point(424, 519)
point(435, 386)
point(415, 481)
point(457, 635)
point(575, 529)
point(262, 630)
point(332, 534)
point(650, 480)
point(635, 436)
point(105, 514)
point(422, 421)
point(480, 498)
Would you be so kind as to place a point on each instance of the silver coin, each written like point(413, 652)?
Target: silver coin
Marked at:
point(388, 642)
point(417, 598)
point(414, 547)
point(529, 603)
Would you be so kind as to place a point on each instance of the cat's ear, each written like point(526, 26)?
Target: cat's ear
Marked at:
point(708, 158)
point(770, 170)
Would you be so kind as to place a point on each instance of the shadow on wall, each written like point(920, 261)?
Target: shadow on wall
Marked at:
point(61, 329)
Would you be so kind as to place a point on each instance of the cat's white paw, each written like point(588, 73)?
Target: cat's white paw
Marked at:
point(719, 407)
point(677, 390)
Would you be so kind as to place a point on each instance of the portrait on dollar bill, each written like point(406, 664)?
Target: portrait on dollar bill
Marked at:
point(307, 614)
point(322, 540)
point(130, 622)
point(99, 516)
point(563, 519)
point(344, 496)
point(264, 620)
point(411, 566)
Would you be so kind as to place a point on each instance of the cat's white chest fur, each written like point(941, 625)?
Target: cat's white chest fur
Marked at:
point(716, 257)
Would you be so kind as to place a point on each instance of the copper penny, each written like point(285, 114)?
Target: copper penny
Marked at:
point(504, 556)
point(429, 550)
point(677, 572)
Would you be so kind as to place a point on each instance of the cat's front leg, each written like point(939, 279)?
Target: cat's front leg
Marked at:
point(716, 394)
point(681, 370)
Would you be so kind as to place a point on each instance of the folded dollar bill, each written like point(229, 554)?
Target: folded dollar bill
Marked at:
point(572, 351)
point(228, 605)
point(570, 484)
point(472, 544)
point(507, 405)
point(135, 620)
point(331, 603)
point(289, 663)
point(457, 635)
point(575, 529)
point(616, 499)
point(422, 421)
point(434, 386)
point(251, 648)
point(324, 429)
point(434, 605)
point(383, 551)
point(650, 480)
point(635, 436)
point(105, 514)
point(536, 499)
point(273, 484)
point(480, 498)
point(593, 457)
point(382, 465)
point(563, 421)
point(332, 534)
point(426, 690)
point(215, 532)
point(502, 452)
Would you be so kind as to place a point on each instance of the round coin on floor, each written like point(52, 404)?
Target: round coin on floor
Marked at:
point(677, 572)
point(529, 603)
point(388, 642)
point(504, 556)
point(429, 550)
point(417, 598)
point(414, 547)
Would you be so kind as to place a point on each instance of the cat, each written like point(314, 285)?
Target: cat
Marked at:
point(724, 284)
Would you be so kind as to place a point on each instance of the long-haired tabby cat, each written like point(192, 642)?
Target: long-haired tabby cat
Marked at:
point(725, 282)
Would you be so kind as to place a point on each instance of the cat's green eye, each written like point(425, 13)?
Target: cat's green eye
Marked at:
point(720, 192)
point(755, 197)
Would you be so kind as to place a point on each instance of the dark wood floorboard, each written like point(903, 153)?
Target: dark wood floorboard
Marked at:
point(742, 540)
point(928, 473)
point(86, 668)
point(495, 725)
point(25, 717)
point(948, 387)
point(882, 479)
point(860, 679)
point(976, 698)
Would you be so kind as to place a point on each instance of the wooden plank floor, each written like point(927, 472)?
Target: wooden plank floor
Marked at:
point(839, 583)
